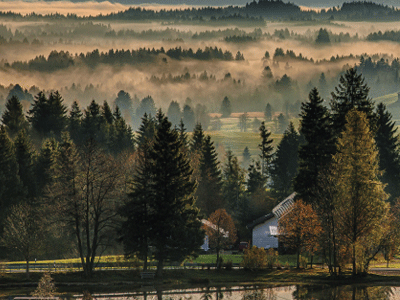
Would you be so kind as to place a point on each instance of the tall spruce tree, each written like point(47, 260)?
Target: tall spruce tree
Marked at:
point(233, 182)
point(24, 154)
point(389, 155)
point(146, 130)
point(352, 92)
point(198, 138)
point(319, 146)
point(136, 230)
point(175, 230)
point(13, 117)
point(284, 166)
point(209, 196)
point(10, 184)
point(266, 149)
point(74, 123)
point(57, 120)
point(43, 165)
point(256, 180)
point(361, 207)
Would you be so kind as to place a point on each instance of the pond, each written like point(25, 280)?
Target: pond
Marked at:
point(264, 293)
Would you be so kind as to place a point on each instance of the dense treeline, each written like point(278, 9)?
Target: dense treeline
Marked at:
point(62, 60)
point(252, 12)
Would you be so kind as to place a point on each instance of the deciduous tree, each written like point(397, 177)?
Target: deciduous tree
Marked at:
point(361, 206)
point(299, 228)
point(220, 230)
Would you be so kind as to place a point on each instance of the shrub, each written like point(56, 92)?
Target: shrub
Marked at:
point(228, 265)
point(254, 258)
point(272, 258)
point(46, 287)
point(303, 262)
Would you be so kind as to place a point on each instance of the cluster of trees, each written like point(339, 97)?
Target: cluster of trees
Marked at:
point(61, 60)
point(253, 12)
point(348, 166)
point(84, 167)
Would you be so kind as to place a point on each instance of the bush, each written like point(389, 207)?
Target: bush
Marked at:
point(254, 258)
point(46, 287)
point(272, 258)
point(228, 265)
point(302, 262)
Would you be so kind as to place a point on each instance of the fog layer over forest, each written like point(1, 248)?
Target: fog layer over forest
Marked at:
point(275, 62)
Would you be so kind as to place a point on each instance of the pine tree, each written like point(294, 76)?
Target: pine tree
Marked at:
point(188, 117)
point(121, 136)
point(256, 180)
point(175, 221)
point(13, 117)
point(226, 108)
point(246, 158)
point(174, 113)
point(198, 138)
point(266, 149)
point(361, 206)
point(107, 114)
point(74, 123)
point(351, 93)
point(136, 230)
point(37, 115)
point(233, 182)
point(146, 130)
point(91, 123)
point(44, 164)
point(24, 154)
point(209, 197)
point(268, 112)
point(284, 166)
point(57, 119)
point(10, 183)
point(389, 155)
point(315, 154)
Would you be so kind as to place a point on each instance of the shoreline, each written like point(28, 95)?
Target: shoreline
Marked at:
point(129, 280)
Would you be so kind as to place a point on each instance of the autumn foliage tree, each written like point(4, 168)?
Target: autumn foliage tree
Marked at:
point(221, 231)
point(299, 228)
point(360, 202)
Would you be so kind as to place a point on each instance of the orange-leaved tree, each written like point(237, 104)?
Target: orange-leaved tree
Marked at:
point(221, 231)
point(299, 228)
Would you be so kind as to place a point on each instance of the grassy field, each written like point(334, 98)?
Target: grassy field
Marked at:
point(231, 138)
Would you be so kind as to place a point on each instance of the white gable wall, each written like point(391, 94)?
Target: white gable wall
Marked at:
point(262, 236)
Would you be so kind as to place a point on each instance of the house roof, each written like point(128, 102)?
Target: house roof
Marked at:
point(284, 206)
point(260, 220)
point(277, 211)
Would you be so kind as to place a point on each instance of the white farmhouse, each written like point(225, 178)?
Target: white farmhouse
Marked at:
point(265, 229)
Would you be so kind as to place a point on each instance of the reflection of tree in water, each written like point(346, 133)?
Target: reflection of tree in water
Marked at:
point(348, 292)
point(259, 294)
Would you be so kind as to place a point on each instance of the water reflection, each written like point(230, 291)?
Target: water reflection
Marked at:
point(348, 292)
point(299, 292)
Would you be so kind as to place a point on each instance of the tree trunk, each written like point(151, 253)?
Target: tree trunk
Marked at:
point(298, 258)
point(27, 268)
point(145, 261)
point(217, 263)
point(354, 259)
point(160, 266)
